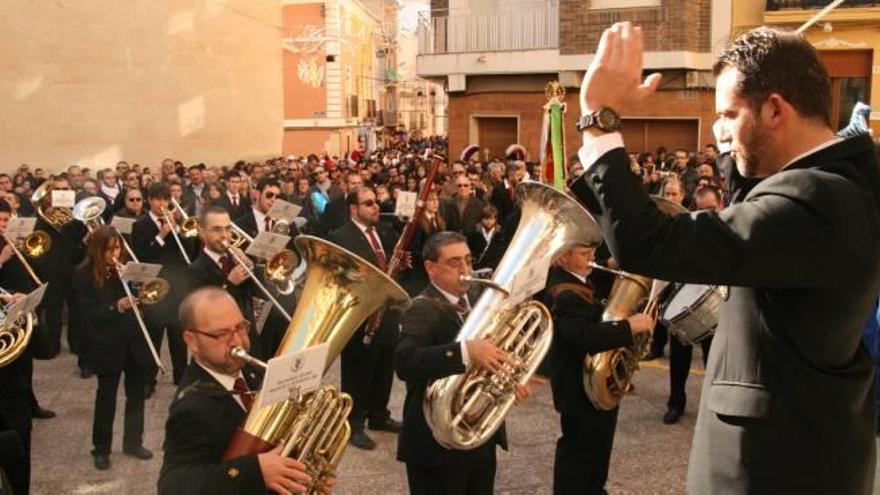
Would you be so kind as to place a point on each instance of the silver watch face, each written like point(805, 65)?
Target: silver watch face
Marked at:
point(608, 119)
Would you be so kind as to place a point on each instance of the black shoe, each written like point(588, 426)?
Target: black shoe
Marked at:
point(672, 415)
point(102, 461)
point(42, 413)
point(85, 373)
point(138, 452)
point(149, 390)
point(360, 440)
point(388, 425)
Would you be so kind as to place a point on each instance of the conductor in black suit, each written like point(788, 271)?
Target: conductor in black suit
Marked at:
point(368, 370)
point(583, 452)
point(788, 398)
point(153, 242)
point(215, 267)
point(211, 402)
point(428, 351)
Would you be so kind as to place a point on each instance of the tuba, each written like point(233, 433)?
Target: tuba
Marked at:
point(57, 217)
point(608, 375)
point(464, 411)
point(341, 290)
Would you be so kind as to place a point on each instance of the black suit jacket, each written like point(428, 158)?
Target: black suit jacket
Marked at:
point(578, 330)
point(112, 334)
point(427, 351)
point(204, 272)
point(486, 256)
point(473, 213)
point(174, 267)
point(788, 399)
point(501, 199)
point(350, 237)
point(200, 424)
point(244, 205)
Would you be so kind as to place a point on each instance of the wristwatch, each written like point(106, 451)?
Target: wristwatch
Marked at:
point(605, 119)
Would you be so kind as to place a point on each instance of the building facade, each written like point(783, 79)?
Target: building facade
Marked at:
point(496, 57)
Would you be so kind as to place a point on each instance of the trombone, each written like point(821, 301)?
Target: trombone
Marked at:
point(232, 249)
point(176, 237)
point(151, 292)
point(189, 227)
point(280, 268)
point(36, 244)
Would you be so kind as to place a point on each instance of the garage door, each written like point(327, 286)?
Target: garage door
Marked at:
point(641, 135)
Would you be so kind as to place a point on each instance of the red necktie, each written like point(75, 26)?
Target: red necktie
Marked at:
point(235, 201)
point(244, 393)
point(512, 192)
point(268, 224)
point(463, 306)
point(226, 264)
point(377, 248)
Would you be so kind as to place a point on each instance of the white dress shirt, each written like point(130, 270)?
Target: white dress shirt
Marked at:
point(226, 381)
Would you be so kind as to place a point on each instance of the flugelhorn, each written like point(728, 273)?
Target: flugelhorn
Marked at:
point(339, 292)
point(608, 375)
point(464, 411)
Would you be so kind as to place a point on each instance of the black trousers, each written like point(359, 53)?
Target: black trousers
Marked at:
point(51, 312)
point(680, 356)
point(105, 407)
point(658, 339)
point(368, 372)
point(473, 479)
point(158, 324)
point(583, 453)
point(15, 459)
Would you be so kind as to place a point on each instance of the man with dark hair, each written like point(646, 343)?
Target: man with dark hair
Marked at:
point(153, 242)
point(788, 399)
point(194, 192)
point(428, 351)
point(130, 182)
point(368, 369)
point(232, 200)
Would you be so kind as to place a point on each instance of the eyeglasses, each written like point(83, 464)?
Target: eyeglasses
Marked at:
point(225, 335)
point(464, 186)
point(219, 229)
point(368, 203)
point(136, 200)
point(269, 194)
point(459, 262)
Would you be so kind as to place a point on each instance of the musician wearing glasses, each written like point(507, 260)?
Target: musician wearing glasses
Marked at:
point(788, 399)
point(428, 351)
point(211, 403)
point(368, 369)
point(214, 266)
point(117, 347)
point(154, 242)
point(583, 451)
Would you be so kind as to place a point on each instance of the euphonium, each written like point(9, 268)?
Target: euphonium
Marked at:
point(14, 335)
point(608, 375)
point(55, 216)
point(89, 211)
point(464, 411)
point(340, 291)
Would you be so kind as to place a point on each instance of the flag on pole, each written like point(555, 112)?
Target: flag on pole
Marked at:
point(553, 137)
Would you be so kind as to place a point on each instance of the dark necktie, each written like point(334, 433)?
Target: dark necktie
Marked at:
point(377, 248)
point(244, 393)
point(463, 307)
point(235, 201)
point(226, 264)
point(268, 224)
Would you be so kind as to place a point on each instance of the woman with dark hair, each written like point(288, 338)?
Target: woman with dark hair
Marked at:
point(117, 345)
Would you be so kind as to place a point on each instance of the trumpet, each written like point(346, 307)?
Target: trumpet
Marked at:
point(89, 211)
point(189, 227)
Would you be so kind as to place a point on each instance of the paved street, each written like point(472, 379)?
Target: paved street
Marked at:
point(648, 457)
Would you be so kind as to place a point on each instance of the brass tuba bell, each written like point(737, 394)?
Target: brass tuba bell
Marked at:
point(464, 411)
point(89, 211)
point(608, 375)
point(341, 290)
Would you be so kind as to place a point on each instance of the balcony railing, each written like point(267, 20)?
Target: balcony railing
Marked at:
point(506, 28)
point(773, 5)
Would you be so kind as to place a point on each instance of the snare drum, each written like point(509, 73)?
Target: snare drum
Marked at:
point(691, 313)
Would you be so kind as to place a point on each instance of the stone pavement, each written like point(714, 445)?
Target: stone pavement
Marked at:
point(648, 458)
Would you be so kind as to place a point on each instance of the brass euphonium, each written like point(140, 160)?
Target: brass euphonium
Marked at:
point(15, 334)
point(89, 211)
point(341, 290)
point(464, 411)
point(608, 375)
point(55, 216)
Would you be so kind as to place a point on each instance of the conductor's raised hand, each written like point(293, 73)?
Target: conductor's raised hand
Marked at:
point(614, 77)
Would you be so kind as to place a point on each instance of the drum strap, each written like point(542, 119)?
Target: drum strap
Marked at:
point(585, 291)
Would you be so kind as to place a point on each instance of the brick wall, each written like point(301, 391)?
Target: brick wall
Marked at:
point(678, 25)
point(528, 107)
